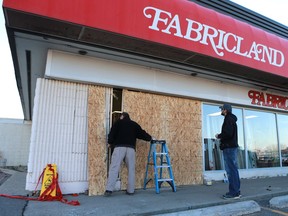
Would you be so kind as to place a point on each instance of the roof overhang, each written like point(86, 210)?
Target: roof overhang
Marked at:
point(155, 31)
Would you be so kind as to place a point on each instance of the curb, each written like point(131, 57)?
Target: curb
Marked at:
point(279, 202)
point(238, 208)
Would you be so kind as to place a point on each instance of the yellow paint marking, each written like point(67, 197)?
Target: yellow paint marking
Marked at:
point(275, 211)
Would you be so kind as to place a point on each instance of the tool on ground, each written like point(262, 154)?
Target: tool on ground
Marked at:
point(161, 163)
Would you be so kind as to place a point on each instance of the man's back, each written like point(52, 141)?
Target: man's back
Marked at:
point(125, 132)
point(229, 135)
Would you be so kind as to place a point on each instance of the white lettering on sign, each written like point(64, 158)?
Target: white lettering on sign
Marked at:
point(219, 40)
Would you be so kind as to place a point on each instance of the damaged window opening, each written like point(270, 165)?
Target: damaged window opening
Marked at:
point(116, 105)
point(116, 110)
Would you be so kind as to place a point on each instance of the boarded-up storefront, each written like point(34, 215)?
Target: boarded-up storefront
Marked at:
point(177, 120)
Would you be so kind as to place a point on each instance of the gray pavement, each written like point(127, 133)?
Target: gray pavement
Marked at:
point(188, 200)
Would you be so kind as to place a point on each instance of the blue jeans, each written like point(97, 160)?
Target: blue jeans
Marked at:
point(231, 167)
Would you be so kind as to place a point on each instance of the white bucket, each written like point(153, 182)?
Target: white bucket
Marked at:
point(208, 182)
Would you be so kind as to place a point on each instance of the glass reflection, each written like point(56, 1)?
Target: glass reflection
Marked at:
point(212, 123)
point(261, 138)
point(283, 138)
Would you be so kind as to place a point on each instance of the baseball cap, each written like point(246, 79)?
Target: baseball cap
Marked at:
point(227, 107)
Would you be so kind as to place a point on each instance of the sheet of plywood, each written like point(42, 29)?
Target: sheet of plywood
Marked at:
point(178, 121)
point(97, 166)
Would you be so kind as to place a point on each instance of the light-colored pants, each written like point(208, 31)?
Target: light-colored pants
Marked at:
point(120, 154)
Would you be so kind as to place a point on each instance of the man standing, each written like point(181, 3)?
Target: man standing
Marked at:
point(123, 137)
point(229, 145)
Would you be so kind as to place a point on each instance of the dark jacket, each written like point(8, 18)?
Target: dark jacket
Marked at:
point(125, 132)
point(229, 134)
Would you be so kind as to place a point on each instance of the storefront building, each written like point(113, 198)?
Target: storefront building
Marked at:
point(169, 64)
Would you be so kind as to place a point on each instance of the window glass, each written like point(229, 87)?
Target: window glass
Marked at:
point(212, 123)
point(283, 138)
point(261, 137)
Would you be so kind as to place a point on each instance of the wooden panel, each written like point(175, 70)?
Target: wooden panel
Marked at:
point(97, 166)
point(178, 121)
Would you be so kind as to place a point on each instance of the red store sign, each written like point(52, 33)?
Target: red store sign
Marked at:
point(177, 23)
point(268, 100)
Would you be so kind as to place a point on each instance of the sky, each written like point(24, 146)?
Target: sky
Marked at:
point(10, 106)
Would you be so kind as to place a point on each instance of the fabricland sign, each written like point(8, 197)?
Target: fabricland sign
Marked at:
point(176, 23)
point(220, 40)
point(268, 100)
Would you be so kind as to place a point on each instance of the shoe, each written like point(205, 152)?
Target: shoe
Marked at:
point(131, 194)
point(230, 197)
point(107, 193)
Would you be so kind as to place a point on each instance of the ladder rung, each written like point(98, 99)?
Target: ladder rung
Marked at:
point(162, 166)
point(165, 180)
point(161, 153)
point(158, 142)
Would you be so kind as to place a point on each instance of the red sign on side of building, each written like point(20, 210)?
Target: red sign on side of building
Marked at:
point(268, 100)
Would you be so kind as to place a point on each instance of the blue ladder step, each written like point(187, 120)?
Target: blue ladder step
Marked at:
point(163, 166)
point(165, 180)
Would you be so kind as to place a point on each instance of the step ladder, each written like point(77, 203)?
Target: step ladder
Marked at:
point(160, 161)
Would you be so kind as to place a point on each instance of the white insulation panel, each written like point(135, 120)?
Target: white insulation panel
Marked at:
point(59, 134)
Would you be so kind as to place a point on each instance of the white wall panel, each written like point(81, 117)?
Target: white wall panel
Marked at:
point(59, 134)
point(67, 66)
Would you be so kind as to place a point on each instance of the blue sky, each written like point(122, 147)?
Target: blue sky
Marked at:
point(9, 96)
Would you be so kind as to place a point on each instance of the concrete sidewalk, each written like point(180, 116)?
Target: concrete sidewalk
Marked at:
point(146, 202)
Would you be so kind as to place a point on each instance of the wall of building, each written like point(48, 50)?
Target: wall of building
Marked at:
point(14, 142)
point(71, 120)
point(70, 127)
point(86, 69)
point(59, 134)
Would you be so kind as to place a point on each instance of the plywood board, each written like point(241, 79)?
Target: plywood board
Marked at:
point(97, 165)
point(176, 120)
